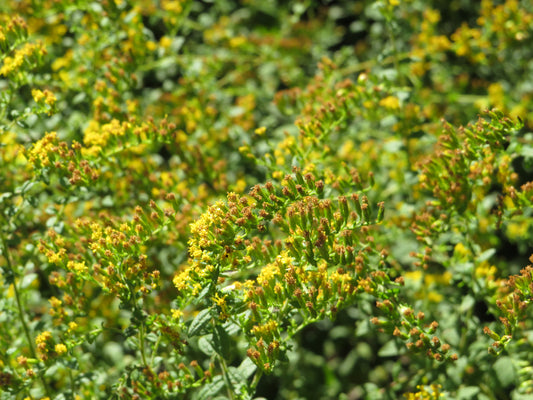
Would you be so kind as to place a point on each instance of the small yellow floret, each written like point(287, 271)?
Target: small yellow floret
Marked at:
point(60, 348)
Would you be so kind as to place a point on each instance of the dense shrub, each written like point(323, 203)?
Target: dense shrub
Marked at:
point(266, 199)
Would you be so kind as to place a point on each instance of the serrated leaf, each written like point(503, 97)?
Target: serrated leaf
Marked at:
point(199, 322)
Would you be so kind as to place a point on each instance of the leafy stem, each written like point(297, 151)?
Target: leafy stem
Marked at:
point(225, 376)
point(20, 307)
point(141, 343)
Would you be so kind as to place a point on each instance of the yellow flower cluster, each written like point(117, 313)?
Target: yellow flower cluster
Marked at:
point(12, 28)
point(67, 162)
point(47, 96)
point(431, 393)
point(201, 246)
point(43, 342)
point(508, 20)
point(97, 136)
point(265, 330)
point(25, 56)
point(45, 99)
point(39, 153)
point(47, 348)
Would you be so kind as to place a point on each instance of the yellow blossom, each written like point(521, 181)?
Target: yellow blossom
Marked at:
point(72, 326)
point(496, 95)
point(484, 269)
point(413, 275)
point(517, 230)
point(277, 175)
point(260, 131)
point(165, 42)
point(442, 279)
point(37, 95)
point(43, 337)
point(266, 329)
point(172, 6)
point(461, 251)
point(50, 98)
point(237, 41)
point(432, 16)
point(60, 348)
point(27, 54)
point(77, 267)
point(220, 300)
point(267, 274)
point(39, 152)
point(434, 297)
point(390, 102)
point(55, 302)
point(150, 45)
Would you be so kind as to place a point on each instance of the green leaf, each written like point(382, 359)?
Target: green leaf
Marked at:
point(4, 196)
point(113, 353)
point(467, 304)
point(206, 346)
point(211, 389)
point(231, 328)
point(52, 370)
point(247, 368)
point(199, 322)
point(25, 187)
point(467, 393)
point(235, 378)
point(221, 341)
point(526, 152)
point(388, 350)
point(505, 371)
point(239, 376)
point(202, 294)
point(486, 255)
point(28, 280)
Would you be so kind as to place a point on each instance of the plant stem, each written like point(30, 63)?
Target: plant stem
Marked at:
point(72, 384)
point(141, 344)
point(20, 308)
point(255, 381)
point(225, 375)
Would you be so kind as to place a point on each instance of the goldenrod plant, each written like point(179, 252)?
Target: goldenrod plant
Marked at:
point(266, 199)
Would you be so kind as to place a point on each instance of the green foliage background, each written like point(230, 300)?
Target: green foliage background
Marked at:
point(246, 199)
